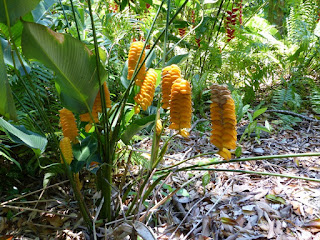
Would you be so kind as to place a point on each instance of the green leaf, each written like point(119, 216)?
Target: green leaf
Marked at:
point(238, 152)
point(8, 157)
point(274, 198)
point(19, 134)
point(177, 59)
point(159, 72)
point(183, 192)
point(16, 9)
point(206, 179)
point(125, 82)
point(7, 107)
point(72, 61)
point(8, 58)
point(259, 112)
point(42, 8)
point(135, 127)
point(151, 57)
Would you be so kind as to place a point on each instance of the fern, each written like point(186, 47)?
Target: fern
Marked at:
point(302, 20)
point(286, 99)
point(315, 101)
point(43, 83)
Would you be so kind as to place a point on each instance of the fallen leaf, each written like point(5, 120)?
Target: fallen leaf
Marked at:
point(274, 198)
point(314, 224)
point(55, 220)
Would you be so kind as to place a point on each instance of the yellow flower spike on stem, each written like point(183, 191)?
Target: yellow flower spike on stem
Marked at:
point(225, 154)
point(97, 106)
point(78, 182)
point(136, 109)
point(66, 150)
point(133, 57)
point(68, 124)
point(169, 75)
point(180, 105)
point(145, 97)
point(223, 120)
point(185, 133)
point(158, 127)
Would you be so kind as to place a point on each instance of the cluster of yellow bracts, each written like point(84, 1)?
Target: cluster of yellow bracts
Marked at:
point(176, 96)
point(223, 120)
point(176, 92)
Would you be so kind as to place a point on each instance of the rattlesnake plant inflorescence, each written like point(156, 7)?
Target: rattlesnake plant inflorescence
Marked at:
point(66, 150)
point(133, 57)
point(145, 96)
point(169, 75)
point(223, 120)
point(96, 107)
point(68, 124)
point(180, 105)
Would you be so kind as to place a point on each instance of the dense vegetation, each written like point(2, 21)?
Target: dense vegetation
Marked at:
point(59, 54)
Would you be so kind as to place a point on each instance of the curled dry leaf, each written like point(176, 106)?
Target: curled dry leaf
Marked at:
point(312, 224)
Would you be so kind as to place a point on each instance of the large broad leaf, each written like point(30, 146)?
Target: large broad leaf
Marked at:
point(72, 61)
point(84, 153)
point(135, 127)
point(8, 57)
point(177, 59)
point(7, 107)
point(16, 9)
point(19, 134)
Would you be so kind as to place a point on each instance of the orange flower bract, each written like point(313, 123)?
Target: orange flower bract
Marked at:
point(66, 150)
point(133, 57)
point(145, 96)
point(97, 106)
point(68, 124)
point(180, 105)
point(223, 120)
point(169, 75)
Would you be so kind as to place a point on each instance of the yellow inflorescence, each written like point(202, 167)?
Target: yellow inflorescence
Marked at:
point(145, 96)
point(68, 124)
point(66, 150)
point(180, 105)
point(97, 106)
point(223, 120)
point(169, 75)
point(134, 53)
point(184, 133)
point(158, 127)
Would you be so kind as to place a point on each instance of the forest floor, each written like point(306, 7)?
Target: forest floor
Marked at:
point(230, 206)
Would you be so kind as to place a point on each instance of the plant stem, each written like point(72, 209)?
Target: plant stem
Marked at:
point(75, 19)
point(257, 173)
point(105, 172)
point(237, 160)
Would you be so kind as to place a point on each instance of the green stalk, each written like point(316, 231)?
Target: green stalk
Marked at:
point(257, 173)
point(105, 172)
point(75, 19)
point(78, 196)
point(64, 14)
point(236, 160)
point(156, 139)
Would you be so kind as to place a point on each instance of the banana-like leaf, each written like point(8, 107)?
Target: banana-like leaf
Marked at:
point(9, 57)
point(135, 127)
point(73, 63)
point(19, 134)
point(7, 107)
point(16, 9)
